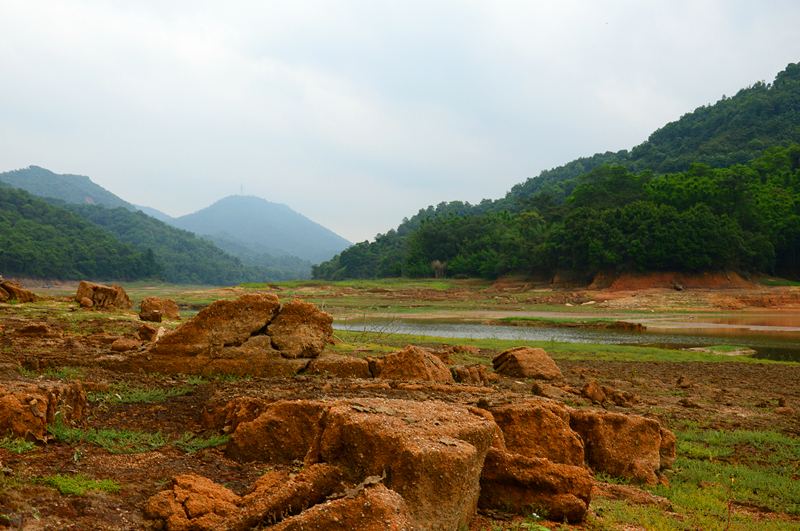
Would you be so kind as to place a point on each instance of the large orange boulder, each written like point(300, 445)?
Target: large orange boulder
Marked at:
point(414, 363)
point(30, 409)
point(284, 432)
point(301, 330)
point(16, 291)
point(526, 362)
point(375, 508)
point(191, 503)
point(622, 445)
point(431, 453)
point(521, 484)
point(539, 429)
point(102, 296)
point(168, 308)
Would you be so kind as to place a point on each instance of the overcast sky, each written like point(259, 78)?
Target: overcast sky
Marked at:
point(359, 113)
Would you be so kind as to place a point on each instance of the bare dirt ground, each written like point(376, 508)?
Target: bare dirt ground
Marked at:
point(710, 395)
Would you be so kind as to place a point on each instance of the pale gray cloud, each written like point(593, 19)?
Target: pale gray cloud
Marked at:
point(357, 114)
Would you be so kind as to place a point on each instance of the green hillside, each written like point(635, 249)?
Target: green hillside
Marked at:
point(186, 258)
point(728, 166)
point(38, 240)
point(76, 189)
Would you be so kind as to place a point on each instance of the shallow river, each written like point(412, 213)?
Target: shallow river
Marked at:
point(775, 338)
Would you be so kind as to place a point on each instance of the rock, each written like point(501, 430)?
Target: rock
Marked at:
point(539, 429)
point(227, 415)
point(124, 344)
point(340, 366)
point(526, 362)
point(785, 411)
point(283, 433)
point(474, 374)
point(4, 295)
point(621, 445)
point(689, 403)
point(301, 330)
point(17, 292)
point(35, 330)
point(146, 333)
point(112, 296)
point(153, 316)
point(413, 363)
point(668, 449)
point(373, 509)
point(86, 303)
point(277, 495)
point(512, 481)
point(594, 392)
point(431, 452)
point(167, 307)
point(191, 503)
point(30, 409)
point(630, 494)
point(683, 382)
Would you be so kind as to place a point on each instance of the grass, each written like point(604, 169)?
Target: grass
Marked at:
point(78, 485)
point(15, 445)
point(114, 441)
point(191, 444)
point(126, 394)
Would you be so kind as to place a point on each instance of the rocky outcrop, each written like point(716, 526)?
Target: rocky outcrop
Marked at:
point(16, 292)
point(512, 481)
point(236, 337)
point(414, 363)
point(539, 429)
point(112, 296)
point(168, 308)
point(28, 409)
point(340, 366)
point(526, 362)
point(624, 445)
point(474, 374)
point(301, 330)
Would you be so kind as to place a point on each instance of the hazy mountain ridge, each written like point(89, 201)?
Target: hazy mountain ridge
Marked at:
point(260, 224)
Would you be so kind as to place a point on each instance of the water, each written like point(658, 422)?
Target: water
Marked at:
point(769, 342)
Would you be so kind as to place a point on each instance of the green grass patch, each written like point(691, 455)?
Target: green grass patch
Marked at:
point(191, 444)
point(78, 485)
point(779, 282)
point(125, 394)
point(16, 445)
point(114, 441)
point(65, 373)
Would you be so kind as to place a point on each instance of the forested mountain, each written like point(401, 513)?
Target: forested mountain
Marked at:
point(76, 189)
point(39, 240)
point(186, 259)
point(542, 224)
point(264, 227)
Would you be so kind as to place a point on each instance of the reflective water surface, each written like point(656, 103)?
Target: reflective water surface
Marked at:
point(770, 341)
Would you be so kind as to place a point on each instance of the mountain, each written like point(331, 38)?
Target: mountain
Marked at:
point(717, 188)
point(76, 189)
point(155, 213)
point(261, 225)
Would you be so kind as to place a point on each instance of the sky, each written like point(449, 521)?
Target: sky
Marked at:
point(357, 114)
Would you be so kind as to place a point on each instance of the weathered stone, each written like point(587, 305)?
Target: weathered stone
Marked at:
point(375, 508)
point(301, 330)
point(621, 445)
point(35, 330)
point(4, 295)
point(17, 292)
point(227, 415)
point(112, 296)
point(167, 307)
point(192, 503)
point(513, 481)
point(539, 430)
point(526, 362)
point(223, 323)
point(668, 449)
point(593, 392)
point(413, 363)
point(630, 494)
point(147, 333)
point(86, 302)
point(340, 366)
point(431, 453)
point(153, 316)
point(474, 374)
point(124, 344)
point(30, 409)
point(283, 433)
